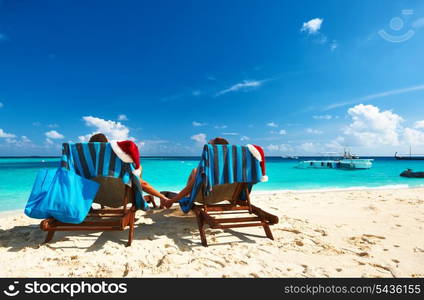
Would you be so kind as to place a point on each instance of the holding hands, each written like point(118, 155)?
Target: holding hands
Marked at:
point(166, 202)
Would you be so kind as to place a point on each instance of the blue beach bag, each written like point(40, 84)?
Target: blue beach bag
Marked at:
point(61, 194)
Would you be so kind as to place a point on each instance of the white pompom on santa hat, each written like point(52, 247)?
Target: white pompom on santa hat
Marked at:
point(259, 154)
point(128, 152)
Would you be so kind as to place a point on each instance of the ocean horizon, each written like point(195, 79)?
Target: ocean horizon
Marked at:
point(17, 175)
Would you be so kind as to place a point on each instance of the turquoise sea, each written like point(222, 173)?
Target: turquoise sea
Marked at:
point(170, 173)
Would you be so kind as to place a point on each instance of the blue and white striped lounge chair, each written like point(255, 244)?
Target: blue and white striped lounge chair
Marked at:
point(226, 173)
point(119, 195)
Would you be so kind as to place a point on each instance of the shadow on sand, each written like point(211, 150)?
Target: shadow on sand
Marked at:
point(173, 224)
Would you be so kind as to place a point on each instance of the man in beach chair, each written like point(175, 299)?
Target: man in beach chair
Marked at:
point(226, 173)
point(120, 190)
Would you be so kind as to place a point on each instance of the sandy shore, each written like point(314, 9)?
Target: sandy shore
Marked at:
point(367, 233)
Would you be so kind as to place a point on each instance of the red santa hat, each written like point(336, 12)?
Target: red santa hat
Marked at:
point(259, 154)
point(128, 152)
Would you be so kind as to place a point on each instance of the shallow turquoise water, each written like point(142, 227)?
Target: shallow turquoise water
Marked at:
point(17, 176)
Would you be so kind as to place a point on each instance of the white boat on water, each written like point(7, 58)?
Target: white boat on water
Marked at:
point(356, 163)
point(347, 162)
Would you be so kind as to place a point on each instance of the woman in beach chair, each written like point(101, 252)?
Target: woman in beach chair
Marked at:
point(218, 192)
point(185, 192)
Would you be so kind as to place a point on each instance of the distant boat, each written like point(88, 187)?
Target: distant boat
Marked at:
point(409, 156)
point(409, 173)
point(347, 162)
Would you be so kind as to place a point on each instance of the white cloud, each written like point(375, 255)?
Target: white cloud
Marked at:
point(245, 138)
point(154, 146)
point(25, 139)
point(272, 124)
point(53, 125)
point(334, 45)
point(244, 86)
point(197, 124)
point(230, 133)
point(308, 147)
point(154, 142)
point(199, 138)
point(53, 134)
point(419, 124)
point(313, 131)
point(377, 96)
point(321, 39)
point(323, 117)
point(312, 26)
point(113, 130)
point(369, 130)
point(51, 144)
point(280, 132)
point(413, 136)
point(393, 92)
point(85, 138)
point(5, 134)
point(20, 142)
point(122, 117)
point(335, 145)
point(220, 126)
point(371, 127)
point(269, 138)
point(279, 148)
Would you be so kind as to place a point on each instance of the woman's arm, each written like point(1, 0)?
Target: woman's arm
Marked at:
point(150, 190)
point(184, 192)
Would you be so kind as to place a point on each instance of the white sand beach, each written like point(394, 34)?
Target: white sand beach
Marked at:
point(362, 233)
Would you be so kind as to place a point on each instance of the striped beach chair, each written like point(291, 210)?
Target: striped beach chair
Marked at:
point(119, 195)
point(225, 177)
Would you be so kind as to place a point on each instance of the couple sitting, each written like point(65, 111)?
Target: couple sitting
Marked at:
point(128, 148)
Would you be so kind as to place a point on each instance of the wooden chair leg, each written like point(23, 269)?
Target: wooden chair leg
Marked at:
point(49, 236)
point(150, 199)
point(268, 232)
point(131, 231)
point(201, 224)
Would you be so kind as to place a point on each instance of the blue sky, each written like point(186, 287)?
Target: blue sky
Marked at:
point(296, 77)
